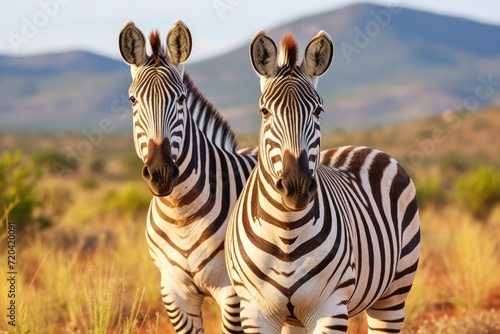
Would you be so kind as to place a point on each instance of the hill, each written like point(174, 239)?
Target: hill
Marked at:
point(391, 65)
point(60, 92)
point(412, 65)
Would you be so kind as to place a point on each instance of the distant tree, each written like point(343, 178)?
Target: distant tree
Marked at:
point(19, 184)
point(479, 191)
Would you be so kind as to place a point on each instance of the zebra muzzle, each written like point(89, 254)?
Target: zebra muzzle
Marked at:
point(160, 172)
point(296, 184)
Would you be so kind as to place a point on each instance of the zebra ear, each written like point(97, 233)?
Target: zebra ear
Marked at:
point(179, 43)
point(132, 45)
point(318, 55)
point(263, 54)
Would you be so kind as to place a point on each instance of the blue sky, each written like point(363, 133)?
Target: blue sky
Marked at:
point(44, 26)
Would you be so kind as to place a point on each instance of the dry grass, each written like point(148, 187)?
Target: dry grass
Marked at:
point(457, 285)
point(87, 287)
point(90, 274)
point(98, 283)
point(471, 257)
point(475, 322)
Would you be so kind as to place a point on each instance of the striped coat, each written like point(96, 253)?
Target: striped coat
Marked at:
point(195, 173)
point(317, 237)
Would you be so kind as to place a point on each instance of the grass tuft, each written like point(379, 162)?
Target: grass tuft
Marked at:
point(471, 257)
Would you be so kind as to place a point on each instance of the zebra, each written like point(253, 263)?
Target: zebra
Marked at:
point(317, 237)
point(194, 172)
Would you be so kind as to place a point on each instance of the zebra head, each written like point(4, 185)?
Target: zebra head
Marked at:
point(158, 98)
point(290, 106)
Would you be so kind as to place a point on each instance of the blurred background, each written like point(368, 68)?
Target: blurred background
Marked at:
point(419, 80)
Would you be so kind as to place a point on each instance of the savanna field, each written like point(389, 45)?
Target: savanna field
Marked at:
point(82, 264)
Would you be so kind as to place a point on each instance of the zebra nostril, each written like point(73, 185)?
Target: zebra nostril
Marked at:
point(279, 185)
point(175, 172)
point(313, 186)
point(145, 173)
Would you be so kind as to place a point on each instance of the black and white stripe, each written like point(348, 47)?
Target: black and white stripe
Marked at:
point(318, 237)
point(193, 169)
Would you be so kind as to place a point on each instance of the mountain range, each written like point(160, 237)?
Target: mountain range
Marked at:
point(391, 65)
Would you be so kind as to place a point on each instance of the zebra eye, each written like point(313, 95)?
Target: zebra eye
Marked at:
point(181, 99)
point(317, 111)
point(133, 100)
point(265, 112)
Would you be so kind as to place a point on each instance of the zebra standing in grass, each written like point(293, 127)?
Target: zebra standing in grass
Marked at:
point(194, 172)
point(317, 237)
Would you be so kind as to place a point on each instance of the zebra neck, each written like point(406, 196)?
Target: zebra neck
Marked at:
point(271, 209)
point(207, 117)
point(195, 184)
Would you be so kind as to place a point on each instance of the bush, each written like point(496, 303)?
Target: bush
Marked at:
point(97, 166)
point(480, 191)
point(18, 182)
point(129, 202)
point(51, 159)
point(430, 192)
point(88, 182)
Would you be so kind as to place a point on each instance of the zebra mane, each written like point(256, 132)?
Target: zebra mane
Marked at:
point(208, 118)
point(289, 51)
point(154, 40)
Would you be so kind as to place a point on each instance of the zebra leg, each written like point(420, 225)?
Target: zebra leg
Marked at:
point(331, 325)
point(288, 329)
point(184, 311)
point(387, 314)
point(254, 321)
point(385, 319)
point(336, 323)
point(229, 303)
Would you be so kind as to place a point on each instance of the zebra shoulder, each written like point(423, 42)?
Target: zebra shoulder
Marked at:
point(357, 160)
point(345, 157)
point(354, 159)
